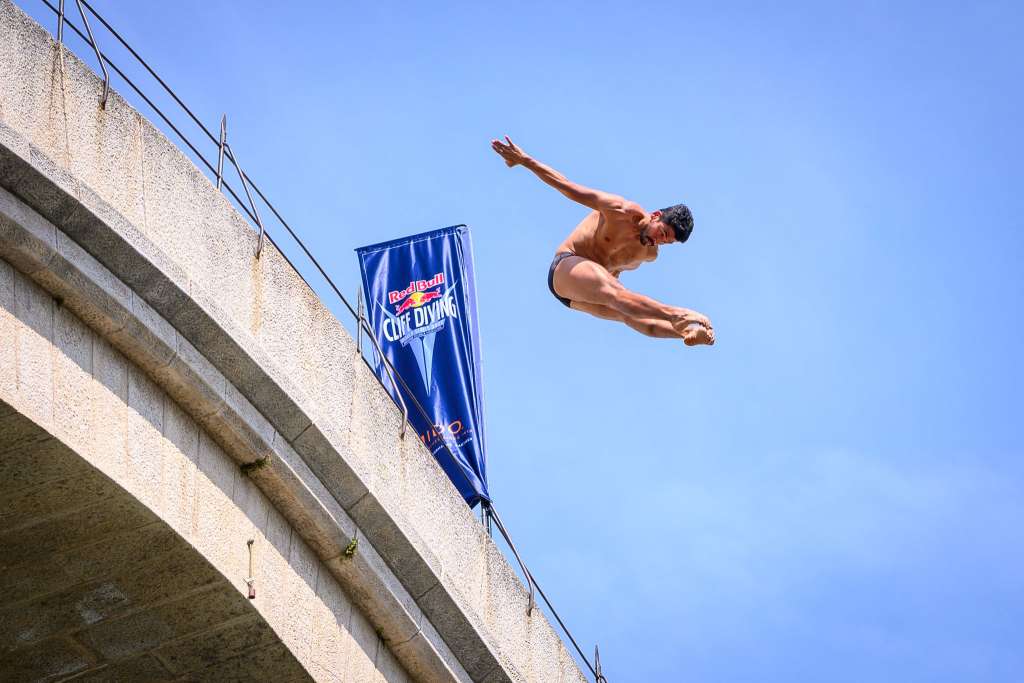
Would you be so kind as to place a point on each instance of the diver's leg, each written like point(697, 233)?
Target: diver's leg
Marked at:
point(582, 280)
point(652, 327)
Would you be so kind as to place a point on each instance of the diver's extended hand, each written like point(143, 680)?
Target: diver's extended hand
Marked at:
point(512, 155)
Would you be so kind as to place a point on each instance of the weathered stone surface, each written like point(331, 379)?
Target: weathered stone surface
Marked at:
point(47, 660)
point(209, 647)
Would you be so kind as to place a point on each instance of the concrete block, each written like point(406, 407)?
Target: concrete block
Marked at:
point(362, 654)
point(443, 523)
point(477, 656)
point(249, 434)
point(167, 577)
point(328, 528)
point(91, 524)
point(24, 581)
point(31, 80)
point(192, 381)
point(271, 663)
point(34, 312)
point(222, 260)
point(109, 398)
point(389, 670)
point(428, 657)
point(74, 608)
point(128, 253)
point(252, 503)
point(334, 470)
point(27, 240)
point(14, 152)
point(178, 197)
point(220, 530)
point(142, 631)
point(305, 340)
point(88, 289)
point(330, 637)
point(92, 562)
point(225, 641)
point(48, 188)
point(145, 668)
point(372, 587)
point(104, 143)
point(544, 648)
point(179, 469)
point(375, 442)
point(505, 614)
point(147, 339)
point(8, 333)
point(145, 438)
point(570, 671)
point(413, 563)
point(48, 660)
point(297, 590)
point(30, 456)
point(233, 352)
point(50, 498)
point(72, 380)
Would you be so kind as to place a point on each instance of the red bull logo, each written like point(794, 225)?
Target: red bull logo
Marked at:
point(417, 299)
point(416, 287)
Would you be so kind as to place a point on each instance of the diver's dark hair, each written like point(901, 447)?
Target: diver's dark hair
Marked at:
point(680, 219)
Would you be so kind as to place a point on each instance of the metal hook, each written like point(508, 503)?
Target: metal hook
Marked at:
point(251, 581)
point(95, 47)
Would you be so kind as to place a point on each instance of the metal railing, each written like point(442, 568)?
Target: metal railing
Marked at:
point(224, 150)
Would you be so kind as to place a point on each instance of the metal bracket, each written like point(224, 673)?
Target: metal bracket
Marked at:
point(95, 47)
point(493, 514)
point(226, 148)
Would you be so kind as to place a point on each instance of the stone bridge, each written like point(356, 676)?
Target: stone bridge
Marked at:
point(166, 397)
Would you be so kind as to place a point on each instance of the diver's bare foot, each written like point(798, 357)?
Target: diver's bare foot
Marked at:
point(685, 316)
point(695, 334)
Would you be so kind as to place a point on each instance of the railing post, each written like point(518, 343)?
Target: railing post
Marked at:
point(598, 676)
point(220, 154)
point(359, 321)
point(60, 24)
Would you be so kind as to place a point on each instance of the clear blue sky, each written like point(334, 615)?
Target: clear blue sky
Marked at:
point(835, 491)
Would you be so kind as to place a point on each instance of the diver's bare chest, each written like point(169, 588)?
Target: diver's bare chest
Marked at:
point(622, 256)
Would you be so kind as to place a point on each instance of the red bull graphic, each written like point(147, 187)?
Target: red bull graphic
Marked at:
point(417, 299)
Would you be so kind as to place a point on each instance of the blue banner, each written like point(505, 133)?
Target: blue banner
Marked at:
point(421, 301)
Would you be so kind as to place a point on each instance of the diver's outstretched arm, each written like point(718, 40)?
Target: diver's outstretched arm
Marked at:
point(593, 199)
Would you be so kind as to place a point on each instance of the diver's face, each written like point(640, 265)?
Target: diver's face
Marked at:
point(656, 233)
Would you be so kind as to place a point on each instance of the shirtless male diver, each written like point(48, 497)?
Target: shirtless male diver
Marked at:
point(616, 235)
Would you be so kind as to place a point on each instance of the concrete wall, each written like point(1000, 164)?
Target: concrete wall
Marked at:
point(109, 217)
point(124, 527)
